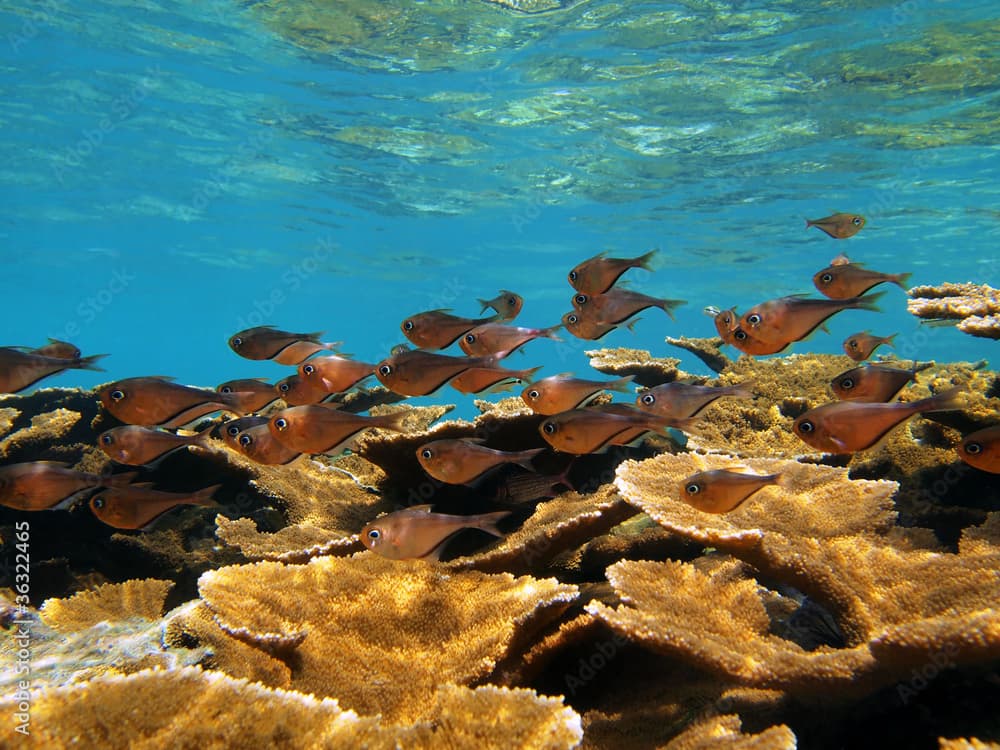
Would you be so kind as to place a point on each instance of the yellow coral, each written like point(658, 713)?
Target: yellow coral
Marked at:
point(112, 601)
point(723, 732)
point(975, 306)
point(45, 428)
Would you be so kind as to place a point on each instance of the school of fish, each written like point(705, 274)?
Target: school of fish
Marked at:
point(275, 424)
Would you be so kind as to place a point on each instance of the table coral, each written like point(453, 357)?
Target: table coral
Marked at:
point(647, 370)
point(357, 625)
point(976, 307)
point(723, 732)
point(112, 601)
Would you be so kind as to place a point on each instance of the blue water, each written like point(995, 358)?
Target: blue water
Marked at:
point(176, 171)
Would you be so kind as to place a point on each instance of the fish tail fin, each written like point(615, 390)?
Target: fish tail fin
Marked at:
point(485, 303)
point(394, 421)
point(232, 402)
point(204, 496)
point(780, 480)
point(89, 363)
point(488, 522)
point(809, 223)
point(120, 480)
point(333, 346)
point(528, 376)
point(550, 332)
point(868, 302)
point(622, 385)
point(668, 305)
point(631, 324)
point(645, 261)
point(890, 340)
point(688, 425)
point(314, 336)
point(740, 390)
point(901, 280)
point(524, 458)
point(943, 401)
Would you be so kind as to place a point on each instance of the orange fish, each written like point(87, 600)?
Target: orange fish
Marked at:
point(598, 274)
point(18, 369)
point(585, 326)
point(251, 394)
point(231, 430)
point(437, 329)
point(722, 490)
point(682, 400)
point(559, 393)
point(335, 374)
point(59, 350)
point(726, 321)
point(137, 506)
point(872, 383)
point(418, 373)
point(418, 534)
point(789, 319)
point(296, 390)
point(846, 280)
point(526, 488)
point(267, 342)
point(490, 379)
point(320, 429)
point(492, 338)
point(747, 344)
point(258, 444)
point(838, 226)
point(618, 305)
point(594, 429)
point(143, 446)
point(507, 304)
point(860, 346)
point(981, 449)
point(850, 426)
point(157, 402)
point(49, 485)
point(464, 461)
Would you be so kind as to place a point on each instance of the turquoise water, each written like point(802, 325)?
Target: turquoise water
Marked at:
point(177, 171)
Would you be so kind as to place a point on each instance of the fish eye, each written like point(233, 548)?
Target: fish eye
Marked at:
point(225, 389)
point(284, 387)
point(572, 275)
point(580, 299)
point(107, 439)
point(408, 325)
point(847, 383)
point(693, 489)
point(117, 395)
point(385, 370)
point(470, 338)
point(281, 423)
point(649, 399)
point(740, 335)
point(98, 502)
point(245, 440)
point(973, 449)
point(236, 341)
point(853, 343)
point(573, 319)
point(826, 278)
point(533, 394)
point(374, 535)
point(856, 221)
point(550, 428)
point(753, 319)
point(308, 370)
point(427, 453)
point(511, 301)
point(232, 430)
point(806, 426)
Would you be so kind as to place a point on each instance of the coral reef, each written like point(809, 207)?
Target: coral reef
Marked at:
point(646, 369)
point(112, 601)
point(976, 307)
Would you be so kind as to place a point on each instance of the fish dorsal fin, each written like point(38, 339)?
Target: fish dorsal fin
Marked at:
point(399, 349)
point(476, 440)
point(421, 508)
point(142, 485)
point(841, 260)
point(168, 378)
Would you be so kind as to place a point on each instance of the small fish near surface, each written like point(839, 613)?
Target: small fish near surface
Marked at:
point(559, 393)
point(134, 445)
point(845, 279)
point(320, 429)
point(284, 347)
point(335, 374)
point(618, 305)
point(981, 449)
point(872, 383)
point(860, 346)
point(723, 490)
point(598, 274)
point(491, 379)
point(787, 319)
point(296, 390)
point(464, 461)
point(252, 394)
point(419, 373)
point(596, 428)
point(585, 326)
point(840, 226)
point(491, 338)
point(58, 349)
point(684, 400)
point(157, 402)
point(507, 304)
point(260, 446)
point(439, 329)
point(418, 534)
point(851, 426)
point(19, 369)
point(136, 506)
point(49, 485)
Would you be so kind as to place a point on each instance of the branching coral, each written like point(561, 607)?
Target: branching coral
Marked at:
point(357, 624)
point(976, 307)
